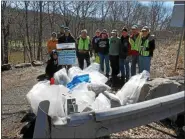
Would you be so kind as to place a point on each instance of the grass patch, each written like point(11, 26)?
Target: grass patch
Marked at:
point(17, 57)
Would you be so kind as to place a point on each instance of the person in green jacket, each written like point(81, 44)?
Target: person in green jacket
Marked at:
point(84, 50)
point(115, 42)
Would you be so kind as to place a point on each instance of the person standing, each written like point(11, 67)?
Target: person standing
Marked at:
point(68, 39)
point(135, 42)
point(114, 55)
point(51, 44)
point(61, 35)
point(84, 50)
point(124, 54)
point(103, 51)
point(94, 42)
point(146, 49)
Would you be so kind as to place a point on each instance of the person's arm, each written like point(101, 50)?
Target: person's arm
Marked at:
point(90, 48)
point(77, 41)
point(151, 45)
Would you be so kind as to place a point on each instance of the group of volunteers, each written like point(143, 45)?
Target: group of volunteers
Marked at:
point(115, 51)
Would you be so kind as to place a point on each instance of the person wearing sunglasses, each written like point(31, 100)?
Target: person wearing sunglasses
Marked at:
point(146, 49)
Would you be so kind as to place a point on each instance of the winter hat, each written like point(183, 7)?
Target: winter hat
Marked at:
point(124, 29)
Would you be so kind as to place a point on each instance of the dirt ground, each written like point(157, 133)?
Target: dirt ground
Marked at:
point(15, 85)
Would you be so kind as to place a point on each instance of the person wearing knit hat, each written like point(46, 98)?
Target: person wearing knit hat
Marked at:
point(103, 51)
point(134, 39)
point(124, 50)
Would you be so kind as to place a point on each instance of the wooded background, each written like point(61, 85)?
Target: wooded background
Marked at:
point(26, 26)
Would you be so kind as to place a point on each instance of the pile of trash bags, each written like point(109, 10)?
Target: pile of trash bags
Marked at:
point(88, 87)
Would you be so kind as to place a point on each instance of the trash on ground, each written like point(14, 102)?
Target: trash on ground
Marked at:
point(81, 91)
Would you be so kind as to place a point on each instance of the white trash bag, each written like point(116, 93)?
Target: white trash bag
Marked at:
point(74, 71)
point(54, 93)
point(98, 87)
point(97, 77)
point(61, 77)
point(92, 67)
point(83, 96)
point(101, 103)
point(115, 101)
point(130, 92)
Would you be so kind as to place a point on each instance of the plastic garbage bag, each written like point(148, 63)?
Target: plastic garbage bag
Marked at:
point(97, 77)
point(130, 92)
point(115, 101)
point(78, 79)
point(101, 103)
point(61, 77)
point(56, 94)
point(74, 71)
point(98, 87)
point(83, 96)
point(92, 67)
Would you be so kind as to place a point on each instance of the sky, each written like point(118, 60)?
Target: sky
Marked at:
point(168, 3)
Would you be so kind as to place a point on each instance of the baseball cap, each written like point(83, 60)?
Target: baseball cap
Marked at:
point(98, 30)
point(67, 29)
point(145, 28)
point(84, 30)
point(134, 27)
point(62, 26)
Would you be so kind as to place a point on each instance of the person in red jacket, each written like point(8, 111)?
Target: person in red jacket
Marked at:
point(135, 42)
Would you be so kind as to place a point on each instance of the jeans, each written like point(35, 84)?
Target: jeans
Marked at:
point(114, 63)
point(124, 66)
point(81, 58)
point(105, 58)
point(144, 63)
point(135, 60)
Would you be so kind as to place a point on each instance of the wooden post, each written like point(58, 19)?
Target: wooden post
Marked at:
point(178, 51)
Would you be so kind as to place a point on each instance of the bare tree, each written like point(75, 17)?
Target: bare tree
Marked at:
point(39, 52)
point(7, 19)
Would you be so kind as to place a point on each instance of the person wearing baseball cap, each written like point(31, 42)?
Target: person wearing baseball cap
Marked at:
point(51, 43)
point(114, 56)
point(84, 51)
point(68, 38)
point(134, 40)
point(146, 49)
point(60, 36)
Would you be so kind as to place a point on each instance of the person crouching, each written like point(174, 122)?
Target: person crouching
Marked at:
point(52, 64)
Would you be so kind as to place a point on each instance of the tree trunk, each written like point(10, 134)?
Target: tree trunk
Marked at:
point(5, 35)
point(39, 52)
point(27, 32)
